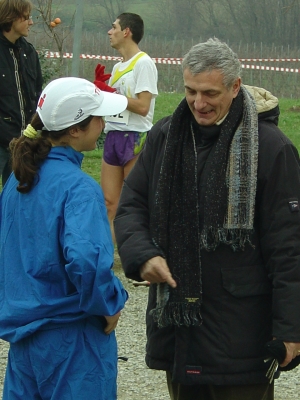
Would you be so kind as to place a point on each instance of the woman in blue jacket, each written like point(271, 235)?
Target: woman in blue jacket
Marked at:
point(59, 300)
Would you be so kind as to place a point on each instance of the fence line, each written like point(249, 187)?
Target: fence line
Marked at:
point(280, 81)
point(177, 61)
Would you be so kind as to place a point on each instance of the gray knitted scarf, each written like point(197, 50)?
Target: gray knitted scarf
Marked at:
point(228, 206)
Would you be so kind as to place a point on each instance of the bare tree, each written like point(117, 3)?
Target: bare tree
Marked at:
point(164, 18)
point(47, 14)
point(108, 10)
point(190, 21)
point(292, 3)
point(264, 21)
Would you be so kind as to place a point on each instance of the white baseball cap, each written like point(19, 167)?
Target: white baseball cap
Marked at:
point(67, 101)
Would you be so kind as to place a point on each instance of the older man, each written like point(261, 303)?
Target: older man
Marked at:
point(210, 216)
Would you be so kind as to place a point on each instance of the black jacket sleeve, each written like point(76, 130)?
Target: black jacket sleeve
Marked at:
point(132, 220)
point(278, 200)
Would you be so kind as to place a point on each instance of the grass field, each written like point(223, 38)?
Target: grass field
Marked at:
point(289, 120)
point(289, 123)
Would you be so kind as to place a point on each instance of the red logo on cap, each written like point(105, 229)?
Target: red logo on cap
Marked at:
point(41, 102)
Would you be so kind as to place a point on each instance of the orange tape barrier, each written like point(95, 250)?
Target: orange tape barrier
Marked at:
point(177, 61)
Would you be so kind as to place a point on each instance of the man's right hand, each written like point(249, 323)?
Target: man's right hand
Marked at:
point(156, 270)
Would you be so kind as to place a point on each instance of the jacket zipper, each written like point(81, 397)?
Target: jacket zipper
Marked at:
point(21, 101)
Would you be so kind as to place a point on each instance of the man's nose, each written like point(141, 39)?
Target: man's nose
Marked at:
point(200, 101)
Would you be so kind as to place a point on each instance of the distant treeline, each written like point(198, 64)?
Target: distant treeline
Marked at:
point(234, 21)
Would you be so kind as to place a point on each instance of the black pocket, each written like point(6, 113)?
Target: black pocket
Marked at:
point(246, 311)
point(246, 281)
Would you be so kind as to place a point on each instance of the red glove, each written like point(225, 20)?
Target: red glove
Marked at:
point(104, 87)
point(99, 73)
point(100, 79)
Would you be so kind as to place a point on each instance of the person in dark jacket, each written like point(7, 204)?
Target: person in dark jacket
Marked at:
point(20, 77)
point(210, 217)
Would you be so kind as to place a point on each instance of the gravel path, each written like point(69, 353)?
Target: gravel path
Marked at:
point(135, 380)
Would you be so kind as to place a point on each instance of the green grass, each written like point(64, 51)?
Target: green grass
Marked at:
point(92, 163)
point(289, 120)
point(165, 104)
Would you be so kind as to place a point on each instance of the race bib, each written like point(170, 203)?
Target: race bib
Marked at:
point(121, 118)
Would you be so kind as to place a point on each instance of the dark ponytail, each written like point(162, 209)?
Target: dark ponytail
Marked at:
point(28, 154)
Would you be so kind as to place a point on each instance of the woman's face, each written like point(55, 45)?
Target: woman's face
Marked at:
point(87, 138)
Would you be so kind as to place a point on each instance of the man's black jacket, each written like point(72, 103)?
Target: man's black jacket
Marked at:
point(248, 296)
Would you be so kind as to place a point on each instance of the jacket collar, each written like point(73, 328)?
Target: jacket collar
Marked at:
point(66, 152)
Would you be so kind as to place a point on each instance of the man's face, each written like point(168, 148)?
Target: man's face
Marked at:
point(21, 26)
point(209, 100)
point(116, 34)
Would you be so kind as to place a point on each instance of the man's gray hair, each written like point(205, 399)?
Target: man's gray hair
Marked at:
point(210, 55)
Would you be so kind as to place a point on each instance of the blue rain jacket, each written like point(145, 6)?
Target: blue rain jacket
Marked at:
point(56, 250)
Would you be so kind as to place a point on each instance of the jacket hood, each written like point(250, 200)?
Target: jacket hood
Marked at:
point(267, 105)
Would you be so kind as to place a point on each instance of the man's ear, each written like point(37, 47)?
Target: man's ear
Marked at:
point(236, 87)
point(127, 32)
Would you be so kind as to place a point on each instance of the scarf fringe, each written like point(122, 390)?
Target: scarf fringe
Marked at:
point(178, 314)
point(235, 238)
